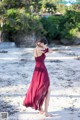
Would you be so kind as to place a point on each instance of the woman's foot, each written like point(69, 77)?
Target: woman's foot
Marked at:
point(47, 114)
point(41, 111)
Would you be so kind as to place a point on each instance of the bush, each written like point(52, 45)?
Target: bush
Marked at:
point(62, 27)
point(51, 25)
point(18, 20)
point(70, 24)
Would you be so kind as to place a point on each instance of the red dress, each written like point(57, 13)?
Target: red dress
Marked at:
point(40, 82)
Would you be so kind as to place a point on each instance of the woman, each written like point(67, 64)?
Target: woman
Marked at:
point(39, 92)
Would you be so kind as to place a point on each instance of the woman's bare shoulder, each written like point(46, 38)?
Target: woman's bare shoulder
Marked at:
point(38, 49)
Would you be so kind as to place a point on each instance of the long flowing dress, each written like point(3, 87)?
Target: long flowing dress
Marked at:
point(39, 85)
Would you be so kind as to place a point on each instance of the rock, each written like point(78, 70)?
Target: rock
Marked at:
point(3, 51)
point(66, 42)
point(77, 41)
point(24, 40)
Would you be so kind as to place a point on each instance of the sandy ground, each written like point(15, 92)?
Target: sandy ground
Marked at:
point(16, 68)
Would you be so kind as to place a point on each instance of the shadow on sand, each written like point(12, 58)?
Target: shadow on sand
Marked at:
point(6, 107)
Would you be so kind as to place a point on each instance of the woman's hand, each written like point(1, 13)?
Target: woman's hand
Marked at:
point(50, 50)
point(44, 46)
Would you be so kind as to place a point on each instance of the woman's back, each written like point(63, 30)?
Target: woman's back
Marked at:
point(39, 56)
point(38, 52)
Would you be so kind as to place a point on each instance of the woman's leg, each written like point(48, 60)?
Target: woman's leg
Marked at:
point(46, 102)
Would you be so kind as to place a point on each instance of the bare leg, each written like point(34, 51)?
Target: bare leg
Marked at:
point(47, 104)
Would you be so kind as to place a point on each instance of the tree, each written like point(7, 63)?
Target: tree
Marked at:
point(16, 17)
point(51, 8)
point(76, 7)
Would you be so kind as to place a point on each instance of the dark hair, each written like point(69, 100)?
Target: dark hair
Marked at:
point(43, 40)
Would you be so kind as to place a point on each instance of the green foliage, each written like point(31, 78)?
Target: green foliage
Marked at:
point(8, 4)
point(51, 25)
point(76, 7)
point(17, 20)
point(2, 9)
point(37, 4)
point(50, 7)
point(59, 27)
point(18, 16)
point(70, 24)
